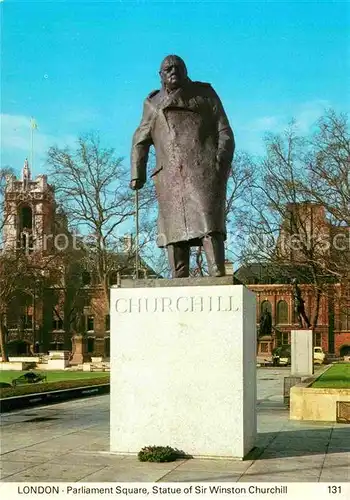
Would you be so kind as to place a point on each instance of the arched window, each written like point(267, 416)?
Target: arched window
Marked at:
point(265, 321)
point(282, 313)
point(26, 218)
point(86, 278)
point(344, 319)
point(90, 344)
point(114, 278)
point(266, 306)
point(107, 347)
point(107, 322)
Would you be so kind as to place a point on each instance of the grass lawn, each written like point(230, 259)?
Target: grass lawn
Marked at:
point(56, 380)
point(336, 377)
point(53, 376)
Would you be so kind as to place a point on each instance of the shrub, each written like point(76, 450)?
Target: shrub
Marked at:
point(50, 386)
point(159, 454)
point(30, 366)
point(4, 384)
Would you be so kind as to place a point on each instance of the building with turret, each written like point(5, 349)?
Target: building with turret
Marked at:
point(29, 213)
point(70, 300)
point(316, 253)
point(66, 299)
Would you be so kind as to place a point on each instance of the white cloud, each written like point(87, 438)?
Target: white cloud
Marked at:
point(79, 116)
point(264, 123)
point(305, 115)
point(308, 113)
point(16, 134)
point(16, 140)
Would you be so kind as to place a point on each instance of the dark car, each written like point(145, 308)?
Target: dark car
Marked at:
point(281, 355)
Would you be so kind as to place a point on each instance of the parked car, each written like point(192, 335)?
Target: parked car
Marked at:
point(281, 355)
point(319, 355)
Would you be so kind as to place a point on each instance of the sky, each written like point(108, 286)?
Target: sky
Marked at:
point(78, 66)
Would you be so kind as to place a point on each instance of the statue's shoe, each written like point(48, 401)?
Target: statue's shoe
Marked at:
point(216, 272)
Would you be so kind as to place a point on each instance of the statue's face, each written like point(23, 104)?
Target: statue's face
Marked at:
point(173, 73)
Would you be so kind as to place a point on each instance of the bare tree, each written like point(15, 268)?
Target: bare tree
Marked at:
point(9, 267)
point(92, 185)
point(19, 274)
point(239, 181)
point(329, 167)
point(287, 225)
point(5, 174)
point(329, 171)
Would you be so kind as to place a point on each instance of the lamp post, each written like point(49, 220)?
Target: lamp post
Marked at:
point(36, 283)
point(137, 234)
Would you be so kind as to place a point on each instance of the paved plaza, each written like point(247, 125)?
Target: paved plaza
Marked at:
point(70, 442)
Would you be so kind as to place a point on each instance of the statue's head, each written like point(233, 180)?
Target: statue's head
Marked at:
point(173, 72)
point(294, 281)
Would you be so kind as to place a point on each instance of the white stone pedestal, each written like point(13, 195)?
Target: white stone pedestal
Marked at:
point(302, 353)
point(183, 366)
point(58, 360)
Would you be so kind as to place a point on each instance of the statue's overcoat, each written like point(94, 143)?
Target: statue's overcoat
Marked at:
point(194, 145)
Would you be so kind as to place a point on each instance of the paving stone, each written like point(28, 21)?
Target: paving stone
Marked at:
point(285, 466)
point(8, 468)
point(308, 446)
point(100, 445)
point(75, 447)
point(31, 454)
point(226, 466)
point(337, 473)
point(340, 443)
point(279, 478)
point(272, 453)
point(198, 476)
point(341, 458)
point(77, 457)
point(116, 474)
point(58, 472)
point(132, 462)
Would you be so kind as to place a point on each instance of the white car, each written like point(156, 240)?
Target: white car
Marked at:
point(319, 356)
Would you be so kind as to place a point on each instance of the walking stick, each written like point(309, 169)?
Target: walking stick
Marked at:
point(137, 234)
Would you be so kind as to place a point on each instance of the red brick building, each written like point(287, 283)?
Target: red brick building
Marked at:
point(321, 249)
point(40, 318)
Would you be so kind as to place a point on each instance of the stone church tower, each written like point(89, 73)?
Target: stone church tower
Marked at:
point(29, 213)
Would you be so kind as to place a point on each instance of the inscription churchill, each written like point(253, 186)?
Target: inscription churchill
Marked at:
point(186, 123)
point(179, 304)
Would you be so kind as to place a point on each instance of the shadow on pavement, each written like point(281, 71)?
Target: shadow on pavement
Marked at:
point(300, 442)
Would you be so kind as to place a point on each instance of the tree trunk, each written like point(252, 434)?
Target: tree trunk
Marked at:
point(106, 291)
point(4, 355)
point(317, 308)
point(199, 261)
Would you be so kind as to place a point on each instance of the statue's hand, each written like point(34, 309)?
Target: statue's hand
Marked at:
point(136, 184)
point(222, 166)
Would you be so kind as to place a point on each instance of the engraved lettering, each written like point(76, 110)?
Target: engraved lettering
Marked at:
point(196, 304)
point(230, 301)
point(123, 310)
point(135, 305)
point(178, 305)
point(151, 305)
point(221, 307)
point(166, 304)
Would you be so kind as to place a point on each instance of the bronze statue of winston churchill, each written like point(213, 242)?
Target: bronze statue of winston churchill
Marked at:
point(194, 145)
